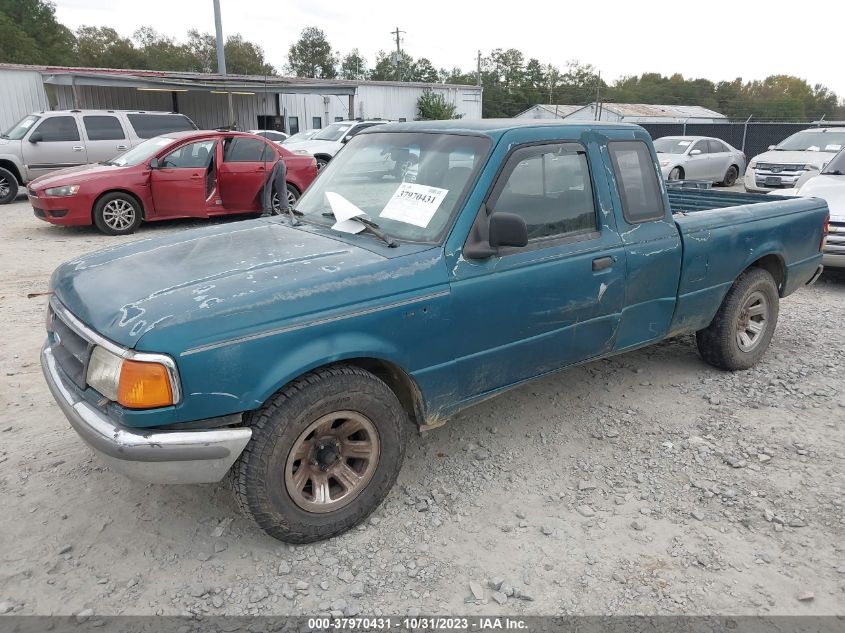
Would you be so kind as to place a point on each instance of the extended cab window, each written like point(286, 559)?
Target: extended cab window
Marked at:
point(636, 175)
point(150, 125)
point(103, 128)
point(245, 150)
point(550, 187)
point(191, 155)
point(58, 128)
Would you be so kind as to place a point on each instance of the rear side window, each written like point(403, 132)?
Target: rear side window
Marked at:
point(103, 128)
point(58, 128)
point(717, 147)
point(636, 176)
point(245, 150)
point(550, 187)
point(150, 125)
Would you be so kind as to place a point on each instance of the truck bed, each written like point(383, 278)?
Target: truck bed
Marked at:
point(723, 233)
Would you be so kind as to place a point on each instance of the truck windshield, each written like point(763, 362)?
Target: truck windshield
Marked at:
point(332, 132)
point(408, 183)
point(813, 141)
point(141, 152)
point(836, 166)
point(670, 145)
point(19, 129)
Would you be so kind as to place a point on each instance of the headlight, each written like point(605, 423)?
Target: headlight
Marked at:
point(752, 165)
point(67, 190)
point(133, 384)
point(664, 163)
point(302, 152)
point(809, 167)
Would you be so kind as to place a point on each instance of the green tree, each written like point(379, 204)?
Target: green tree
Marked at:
point(385, 68)
point(423, 70)
point(30, 34)
point(162, 52)
point(432, 106)
point(353, 65)
point(103, 47)
point(311, 55)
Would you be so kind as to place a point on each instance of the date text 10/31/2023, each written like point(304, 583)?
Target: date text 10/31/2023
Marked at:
point(428, 623)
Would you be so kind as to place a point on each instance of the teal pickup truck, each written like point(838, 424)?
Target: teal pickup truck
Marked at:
point(430, 265)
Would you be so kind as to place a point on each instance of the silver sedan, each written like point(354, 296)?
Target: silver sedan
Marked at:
point(699, 158)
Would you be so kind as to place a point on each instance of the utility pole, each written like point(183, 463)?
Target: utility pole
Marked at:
point(478, 76)
point(397, 32)
point(598, 88)
point(221, 57)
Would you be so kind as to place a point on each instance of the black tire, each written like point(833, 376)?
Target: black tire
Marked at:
point(258, 477)
point(322, 161)
point(676, 174)
point(719, 343)
point(293, 196)
point(106, 208)
point(730, 177)
point(8, 186)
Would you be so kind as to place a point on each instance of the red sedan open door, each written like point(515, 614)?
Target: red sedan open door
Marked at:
point(246, 160)
point(183, 181)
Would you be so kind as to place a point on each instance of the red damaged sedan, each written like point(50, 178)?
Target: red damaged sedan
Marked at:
point(178, 175)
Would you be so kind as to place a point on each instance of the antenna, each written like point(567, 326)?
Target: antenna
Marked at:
point(398, 58)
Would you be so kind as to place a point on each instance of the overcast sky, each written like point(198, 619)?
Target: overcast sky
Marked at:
point(619, 37)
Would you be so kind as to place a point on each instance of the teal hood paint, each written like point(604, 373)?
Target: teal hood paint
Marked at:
point(170, 293)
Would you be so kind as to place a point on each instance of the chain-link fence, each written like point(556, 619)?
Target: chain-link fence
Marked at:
point(752, 138)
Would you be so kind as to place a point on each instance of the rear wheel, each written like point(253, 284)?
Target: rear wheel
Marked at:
point(117, 213)
point(293, 196)
point(324, 453)
point(676, 174)
point(321, 163)
point(731, 176)
point(8, 186)
point(744, 325)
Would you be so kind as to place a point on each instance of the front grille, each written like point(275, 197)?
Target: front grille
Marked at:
point(836, 238)
point(71, 351)
point(779, 167)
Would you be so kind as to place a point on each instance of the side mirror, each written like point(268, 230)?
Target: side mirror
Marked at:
point(36, 137)
point(507, 229)
point(345, 140)
point(154, 163)
point(695, 152)
point(772, 146)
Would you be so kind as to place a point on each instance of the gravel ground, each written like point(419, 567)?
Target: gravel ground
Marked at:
point(646, 483)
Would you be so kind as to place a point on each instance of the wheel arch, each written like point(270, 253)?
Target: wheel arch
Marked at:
point(772, 263)
point(132, 194)
point(13, 168)
point(323, 156)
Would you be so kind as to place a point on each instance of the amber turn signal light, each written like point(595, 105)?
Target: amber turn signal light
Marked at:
point(144, 385)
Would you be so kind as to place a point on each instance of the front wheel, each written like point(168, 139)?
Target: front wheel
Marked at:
point(321, 163)
point(8, 186)
point(675, 174)
point(743, 327)
point(117, 213)
point(324, 453)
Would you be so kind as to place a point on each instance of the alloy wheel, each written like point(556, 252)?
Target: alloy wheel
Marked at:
point(753, 321)
point(119, 215)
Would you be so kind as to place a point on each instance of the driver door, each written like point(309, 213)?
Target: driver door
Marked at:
point(180, 184)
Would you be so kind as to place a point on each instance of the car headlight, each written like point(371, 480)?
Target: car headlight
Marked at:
point(809, 167)
point(67, 190)
point(302, 152)
point(131, 383)
point(752, 165)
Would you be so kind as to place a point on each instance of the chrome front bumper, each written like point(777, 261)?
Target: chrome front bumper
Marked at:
point(166, 457)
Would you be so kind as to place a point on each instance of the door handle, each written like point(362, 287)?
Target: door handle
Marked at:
point(196, 176)
point(602, 262)
point(122, 147)
point(78, 148)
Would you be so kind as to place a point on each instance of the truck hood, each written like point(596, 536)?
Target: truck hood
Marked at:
point(211, 283)
point(315, 147)
point(819, 159)
point(73, 175)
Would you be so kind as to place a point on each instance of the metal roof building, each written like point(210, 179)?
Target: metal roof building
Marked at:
point(287, 103)
point(628, 112)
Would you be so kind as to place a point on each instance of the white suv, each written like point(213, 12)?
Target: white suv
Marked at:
point(42, 142)
point(327, 142)
point(784, 163)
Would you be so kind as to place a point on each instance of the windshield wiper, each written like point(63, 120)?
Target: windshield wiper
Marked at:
point(371, 227)
point(4, 135)
point(835, 172)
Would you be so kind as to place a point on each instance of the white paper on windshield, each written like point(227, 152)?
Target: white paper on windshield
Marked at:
point(414, 204)
point(684, 143)
point(832, 147)
point(345, 213)
point(28, 123)
point(813, 148)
